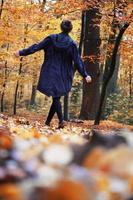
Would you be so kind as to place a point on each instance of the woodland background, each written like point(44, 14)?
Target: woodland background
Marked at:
point(97, 25)
point(81, 161)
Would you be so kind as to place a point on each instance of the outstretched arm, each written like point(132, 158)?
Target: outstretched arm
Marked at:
point(79, 64)
point(34, 48)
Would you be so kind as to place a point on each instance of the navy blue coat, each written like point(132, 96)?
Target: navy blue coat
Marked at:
point(57, 71)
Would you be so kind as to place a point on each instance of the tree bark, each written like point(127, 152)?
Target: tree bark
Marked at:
point(110, 73)
point(92, 41)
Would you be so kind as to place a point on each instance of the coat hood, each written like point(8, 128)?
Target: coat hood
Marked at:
point(61, 41)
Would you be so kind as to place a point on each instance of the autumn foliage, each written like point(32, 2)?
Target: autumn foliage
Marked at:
point(83, 161)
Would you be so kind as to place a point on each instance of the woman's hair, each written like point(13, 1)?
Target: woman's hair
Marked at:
point(66, 26)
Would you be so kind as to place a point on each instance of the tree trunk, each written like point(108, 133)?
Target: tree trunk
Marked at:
point(110, 73)
point(82, 33)
point(16, 89)
point(33, 95)
point(1, 8)
point(130, 82)
point(2, 101)
point(15, 99)
point(4, 84)
point(113, 82)
point(20, 70)
point(92, 41)
point(34, 88)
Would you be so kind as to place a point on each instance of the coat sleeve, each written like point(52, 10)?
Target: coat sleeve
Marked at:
point(78, 61)
point(35, 47)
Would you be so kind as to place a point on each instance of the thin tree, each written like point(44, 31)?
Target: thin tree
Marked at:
point(34, 89)
point(5, 82)
point(1, 8)
point(110, 73)
point(130, 81)
point(112, 86)
point(19, 73)
point(16, 89)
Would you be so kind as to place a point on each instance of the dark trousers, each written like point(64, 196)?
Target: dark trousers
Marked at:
point(55, 108)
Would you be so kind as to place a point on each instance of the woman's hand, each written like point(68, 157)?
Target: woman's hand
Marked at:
point(17, 54)
point(88, 79)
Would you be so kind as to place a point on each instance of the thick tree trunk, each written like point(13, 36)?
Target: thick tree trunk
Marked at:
point(92, 41)
point(110, 73)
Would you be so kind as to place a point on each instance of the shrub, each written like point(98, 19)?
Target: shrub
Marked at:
point(119, 107)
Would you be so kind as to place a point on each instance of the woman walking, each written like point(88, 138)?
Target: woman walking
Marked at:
point(56, 76)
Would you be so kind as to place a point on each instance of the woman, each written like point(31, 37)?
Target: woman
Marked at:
point(56, 76)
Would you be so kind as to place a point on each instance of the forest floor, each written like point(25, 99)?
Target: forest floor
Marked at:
point(29, 150)
point(80, 126)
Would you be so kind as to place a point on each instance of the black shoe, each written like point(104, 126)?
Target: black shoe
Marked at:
point(47, 123)
point(61, 125)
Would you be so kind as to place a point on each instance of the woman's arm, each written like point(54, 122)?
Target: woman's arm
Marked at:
point(79, 64)
point(34, 48)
